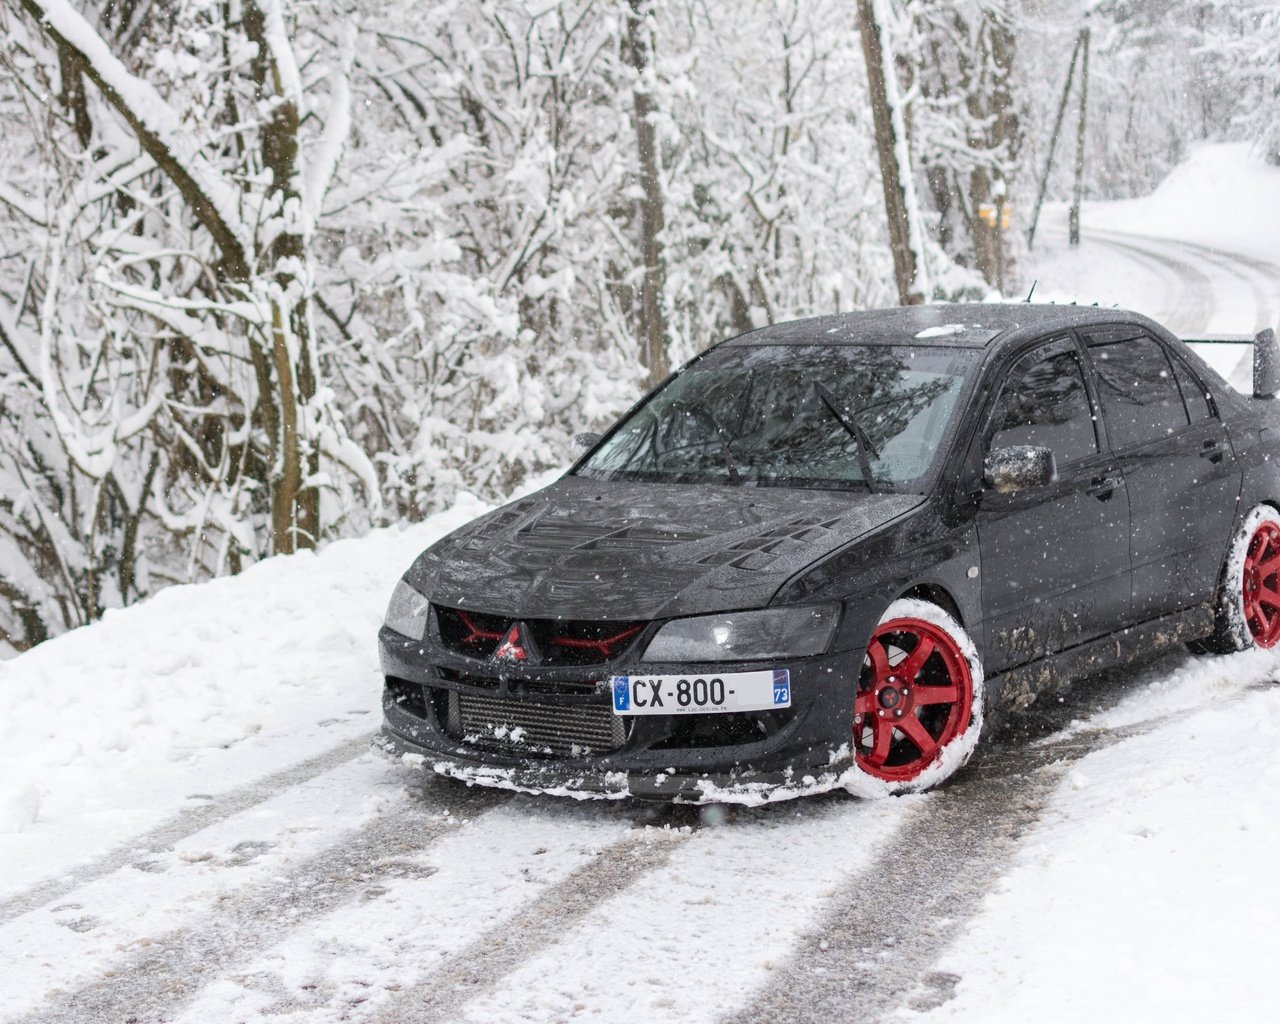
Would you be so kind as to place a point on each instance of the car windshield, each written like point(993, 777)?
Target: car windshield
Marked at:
point(793, 416)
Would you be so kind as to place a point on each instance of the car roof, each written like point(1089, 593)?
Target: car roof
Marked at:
point(953, 325)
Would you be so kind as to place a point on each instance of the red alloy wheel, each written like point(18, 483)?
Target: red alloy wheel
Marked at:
point(1260, 586)
point(915, 695)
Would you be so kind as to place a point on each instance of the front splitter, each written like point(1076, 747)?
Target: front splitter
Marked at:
point(750, 788)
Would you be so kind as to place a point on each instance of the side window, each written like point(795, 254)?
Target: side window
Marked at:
point(1044, 403)
point(1140, 397)
point(1193, 392)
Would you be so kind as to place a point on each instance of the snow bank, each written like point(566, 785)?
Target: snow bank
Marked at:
point(110, 728)
point(1143, 894)
point(1224, 196)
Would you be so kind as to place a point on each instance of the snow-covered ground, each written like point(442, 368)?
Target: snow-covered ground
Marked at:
point(192, 828)
point(1143, 894)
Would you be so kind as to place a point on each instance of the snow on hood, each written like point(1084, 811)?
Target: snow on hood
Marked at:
point(585, 549)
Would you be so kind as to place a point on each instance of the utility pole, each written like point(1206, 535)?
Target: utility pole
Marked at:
point(1053, 140)
point(1074, 219)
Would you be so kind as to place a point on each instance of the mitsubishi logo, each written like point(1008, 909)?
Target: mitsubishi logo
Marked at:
point(513, 646)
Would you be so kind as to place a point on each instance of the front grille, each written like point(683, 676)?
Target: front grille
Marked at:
point(567, 642)
point(471, 632)
point(560, 642)
point(527, 726)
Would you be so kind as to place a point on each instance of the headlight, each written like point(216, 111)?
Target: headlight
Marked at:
point(743, 636)
point(407, 612)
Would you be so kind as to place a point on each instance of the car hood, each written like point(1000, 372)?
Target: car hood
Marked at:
point(584, 549)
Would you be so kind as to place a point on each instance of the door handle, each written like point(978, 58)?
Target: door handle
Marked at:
point(1211, 450)
point(1102, 487)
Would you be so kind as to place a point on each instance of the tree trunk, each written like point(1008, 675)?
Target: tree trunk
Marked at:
point(295, 505)
point(637, 51)
point(890, 146)
point(991, 106)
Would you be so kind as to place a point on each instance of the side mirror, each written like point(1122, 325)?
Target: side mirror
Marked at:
point(1018, 468)
point(587, 439)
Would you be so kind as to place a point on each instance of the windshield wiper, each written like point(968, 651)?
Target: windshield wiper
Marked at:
point(847, 420)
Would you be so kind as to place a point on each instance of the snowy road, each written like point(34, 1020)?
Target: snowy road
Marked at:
point(1207, 291)
point(295, 899)
point(1192, 289)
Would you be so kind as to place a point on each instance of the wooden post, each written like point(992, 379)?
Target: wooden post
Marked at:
point(1002, 204)
point(1074, 220)
point(1053, 141)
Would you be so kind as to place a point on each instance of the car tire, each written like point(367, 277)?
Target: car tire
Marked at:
point(1247, 612)
point(918, 704)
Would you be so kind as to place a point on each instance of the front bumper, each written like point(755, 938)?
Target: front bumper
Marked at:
point(703, 758)
point(588, 782)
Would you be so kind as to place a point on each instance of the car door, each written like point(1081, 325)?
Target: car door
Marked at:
point(1055, 559)
point(1178, 465)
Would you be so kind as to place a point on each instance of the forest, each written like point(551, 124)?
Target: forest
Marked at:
point(275, 273)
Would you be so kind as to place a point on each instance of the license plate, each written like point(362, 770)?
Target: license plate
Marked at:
point(702, 694)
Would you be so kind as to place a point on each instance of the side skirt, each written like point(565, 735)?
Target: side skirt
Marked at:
point(1019, 687)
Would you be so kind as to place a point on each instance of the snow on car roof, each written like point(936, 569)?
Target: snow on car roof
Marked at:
point(962, 325)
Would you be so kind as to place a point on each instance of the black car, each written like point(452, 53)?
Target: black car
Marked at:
point(816, 555)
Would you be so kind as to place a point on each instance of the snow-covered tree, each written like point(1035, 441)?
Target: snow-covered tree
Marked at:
point(967, 124)
point(770, 169)
point(167, 210)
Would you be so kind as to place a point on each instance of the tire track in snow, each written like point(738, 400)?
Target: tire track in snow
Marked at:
point(168, 970)
point(684, 943)
point(68, 944)
point(185, 823)
point(1198, 304)
point(456, 900)
point(1191, 296)
point(482, 965)
point(1262, 279)
point(874, 945)
point(881, 932)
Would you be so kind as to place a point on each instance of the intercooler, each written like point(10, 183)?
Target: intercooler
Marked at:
point(525, 725)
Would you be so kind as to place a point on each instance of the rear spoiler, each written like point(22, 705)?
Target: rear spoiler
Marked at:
point(1266, 358)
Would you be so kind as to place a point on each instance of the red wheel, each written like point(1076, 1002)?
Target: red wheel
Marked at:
point(1248, 605)
point(916, 699)
point(1260, 587)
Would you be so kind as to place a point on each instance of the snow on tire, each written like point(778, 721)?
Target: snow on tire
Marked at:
point(1248, 611)
point(917, 711)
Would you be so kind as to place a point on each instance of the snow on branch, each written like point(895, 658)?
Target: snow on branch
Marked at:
point(13, 342)
point(160, 304)
point(337, 128)
point(157, 126)
point(21, 204)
